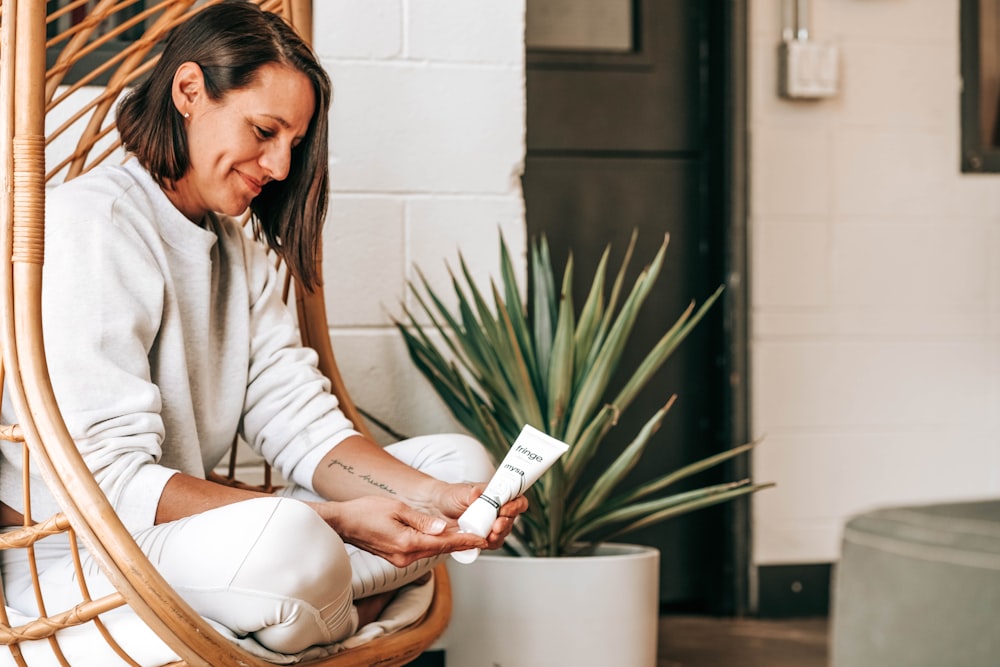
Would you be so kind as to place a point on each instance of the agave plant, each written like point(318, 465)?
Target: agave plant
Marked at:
point(540, 362)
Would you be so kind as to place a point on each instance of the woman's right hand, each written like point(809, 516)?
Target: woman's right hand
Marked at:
point(391, 529)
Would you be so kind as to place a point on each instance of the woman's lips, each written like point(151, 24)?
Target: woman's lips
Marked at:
point(254, 185)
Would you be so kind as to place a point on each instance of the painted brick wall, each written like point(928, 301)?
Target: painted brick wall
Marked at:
point(427, 149)
point(875, 281)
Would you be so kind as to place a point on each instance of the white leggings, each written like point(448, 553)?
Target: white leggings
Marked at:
point(267, 567)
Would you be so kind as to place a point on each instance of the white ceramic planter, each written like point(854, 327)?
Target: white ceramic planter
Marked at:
point(594, 611)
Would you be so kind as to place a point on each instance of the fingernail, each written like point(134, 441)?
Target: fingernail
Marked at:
point(437, 526)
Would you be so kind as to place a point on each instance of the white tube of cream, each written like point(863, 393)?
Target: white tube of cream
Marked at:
point(532, 453)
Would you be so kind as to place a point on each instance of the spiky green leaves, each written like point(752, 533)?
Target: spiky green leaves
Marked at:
point(501, 365)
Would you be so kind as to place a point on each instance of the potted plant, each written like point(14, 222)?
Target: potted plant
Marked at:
point(502, 362)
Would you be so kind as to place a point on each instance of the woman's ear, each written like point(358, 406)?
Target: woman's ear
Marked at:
point(188, 86)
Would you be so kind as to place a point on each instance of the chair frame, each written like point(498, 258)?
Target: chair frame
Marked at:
point(86, 512)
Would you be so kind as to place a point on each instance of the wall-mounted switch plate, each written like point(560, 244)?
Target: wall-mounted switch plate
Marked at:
point(807, 69)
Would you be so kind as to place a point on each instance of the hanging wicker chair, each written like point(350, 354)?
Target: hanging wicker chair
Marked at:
point(29, 92)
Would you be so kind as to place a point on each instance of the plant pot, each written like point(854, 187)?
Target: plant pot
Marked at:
point(597, 611)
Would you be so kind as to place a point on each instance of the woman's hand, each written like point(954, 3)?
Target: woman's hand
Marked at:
point(452, 499)
point(393, 530)
point(504, 522)
point(415, 516)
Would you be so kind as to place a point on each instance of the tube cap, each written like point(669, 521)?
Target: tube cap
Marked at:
point(465, 557)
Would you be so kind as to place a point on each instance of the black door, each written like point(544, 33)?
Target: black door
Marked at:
point(629, 139)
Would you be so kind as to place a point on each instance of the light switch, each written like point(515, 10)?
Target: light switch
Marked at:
point(807, 69)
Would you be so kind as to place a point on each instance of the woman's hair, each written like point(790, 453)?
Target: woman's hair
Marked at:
point(230, 41)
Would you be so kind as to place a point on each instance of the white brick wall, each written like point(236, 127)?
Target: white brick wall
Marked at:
point(875, 285)
point(427, 149)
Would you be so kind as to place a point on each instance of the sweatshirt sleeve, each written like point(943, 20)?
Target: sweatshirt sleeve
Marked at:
point(290, 417)
point(101, 308)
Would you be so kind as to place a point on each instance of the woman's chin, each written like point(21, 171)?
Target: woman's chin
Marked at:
point(235, 209)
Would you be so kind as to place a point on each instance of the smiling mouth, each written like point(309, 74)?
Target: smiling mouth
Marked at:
point(254, 185)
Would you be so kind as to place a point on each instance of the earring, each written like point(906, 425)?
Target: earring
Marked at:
point(187, 115)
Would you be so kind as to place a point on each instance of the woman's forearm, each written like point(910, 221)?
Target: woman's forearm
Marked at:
point(358, 467)
point(185, 495)
point(355, 468)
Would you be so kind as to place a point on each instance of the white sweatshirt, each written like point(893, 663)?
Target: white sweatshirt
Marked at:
point(163, 341)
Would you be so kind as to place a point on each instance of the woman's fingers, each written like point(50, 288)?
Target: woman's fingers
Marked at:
point(425, 523)
point(396, 532)
point(424, 546)
point(504, 522)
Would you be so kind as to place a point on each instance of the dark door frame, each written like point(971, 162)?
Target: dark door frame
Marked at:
point(727, 106)
point(728, 99)
point(734, 171)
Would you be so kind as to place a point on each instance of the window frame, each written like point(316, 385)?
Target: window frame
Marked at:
point(980, 153)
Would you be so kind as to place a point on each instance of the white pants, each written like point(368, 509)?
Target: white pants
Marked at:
point(267, 567)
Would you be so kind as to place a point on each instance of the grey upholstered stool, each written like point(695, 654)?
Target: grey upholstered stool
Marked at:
point(919, 586)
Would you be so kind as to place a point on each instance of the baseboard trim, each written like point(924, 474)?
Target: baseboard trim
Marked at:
point(429, 658)
point(790, 591)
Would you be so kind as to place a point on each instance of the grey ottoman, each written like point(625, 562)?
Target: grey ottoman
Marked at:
point(919, 586)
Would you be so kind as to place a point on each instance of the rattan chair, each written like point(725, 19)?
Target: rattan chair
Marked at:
point(29, 93)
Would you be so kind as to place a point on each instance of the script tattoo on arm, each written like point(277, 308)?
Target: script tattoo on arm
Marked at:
point(380, 485)
point(369, 479)
point(340, 464)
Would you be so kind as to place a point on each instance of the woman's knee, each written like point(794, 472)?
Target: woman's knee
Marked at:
point(478, 464)
point(269, 566)
point(296, 554)
point(298, 558)
point(450, 457)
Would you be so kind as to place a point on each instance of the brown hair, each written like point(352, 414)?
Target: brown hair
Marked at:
point(230, 41)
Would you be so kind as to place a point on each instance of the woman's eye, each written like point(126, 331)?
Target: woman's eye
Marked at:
point(262, 133)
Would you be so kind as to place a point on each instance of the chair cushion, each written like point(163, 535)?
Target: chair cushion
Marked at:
point(919, 585)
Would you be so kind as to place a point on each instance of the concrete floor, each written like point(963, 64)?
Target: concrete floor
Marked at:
point(699, 641)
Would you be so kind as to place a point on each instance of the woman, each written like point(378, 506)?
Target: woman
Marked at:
point(167, 336)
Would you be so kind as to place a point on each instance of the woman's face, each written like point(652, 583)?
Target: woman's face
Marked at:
point(241, 142)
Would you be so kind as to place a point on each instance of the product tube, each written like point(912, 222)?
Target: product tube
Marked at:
point(532, 453)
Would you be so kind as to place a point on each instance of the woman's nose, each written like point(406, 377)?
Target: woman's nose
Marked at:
point(276, 161)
